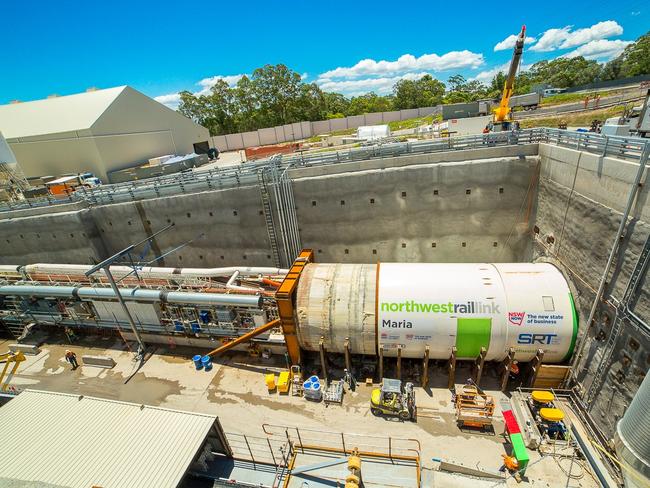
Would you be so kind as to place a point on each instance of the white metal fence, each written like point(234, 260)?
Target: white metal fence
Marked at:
point(304, 130)
point(628, 148)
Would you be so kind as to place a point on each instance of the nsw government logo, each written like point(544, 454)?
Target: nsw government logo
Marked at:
point(516, 318)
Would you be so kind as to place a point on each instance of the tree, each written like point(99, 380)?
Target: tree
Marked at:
point(336, 105)
point(636, 57)
point(613, 70)
point(425, 92)
point(368, 103)
point(461, 90)
point(566, 72)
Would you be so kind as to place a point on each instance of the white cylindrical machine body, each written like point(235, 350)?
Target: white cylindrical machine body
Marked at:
point(525, 306)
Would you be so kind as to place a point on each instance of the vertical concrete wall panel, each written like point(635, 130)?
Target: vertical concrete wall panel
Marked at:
point(234, 141)
point(267, 136)
point(338, 124)
point(355, 121)
point(374, 119)
point(320, 127)
point(251, 139)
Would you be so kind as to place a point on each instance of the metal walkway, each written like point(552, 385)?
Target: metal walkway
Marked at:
point(629, 148)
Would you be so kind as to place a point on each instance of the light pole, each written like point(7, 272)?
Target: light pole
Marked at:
point(106, 267)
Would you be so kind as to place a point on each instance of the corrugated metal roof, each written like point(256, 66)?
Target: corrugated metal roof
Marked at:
point(76, 441)
point(55, 115)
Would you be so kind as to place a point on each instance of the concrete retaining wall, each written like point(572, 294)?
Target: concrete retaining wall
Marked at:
point(227, 227)
point(581, 197)
point(304, 130)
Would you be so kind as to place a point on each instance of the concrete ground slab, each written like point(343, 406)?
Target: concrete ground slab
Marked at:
point(234, 390)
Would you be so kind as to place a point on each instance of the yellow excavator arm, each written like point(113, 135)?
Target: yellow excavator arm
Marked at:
point(9, 357)
point(502, 112)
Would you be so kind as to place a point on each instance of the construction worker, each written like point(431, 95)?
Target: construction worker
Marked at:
point(71, 357)
point(514, 370)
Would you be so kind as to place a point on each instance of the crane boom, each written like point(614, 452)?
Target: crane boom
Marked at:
point(503, 110)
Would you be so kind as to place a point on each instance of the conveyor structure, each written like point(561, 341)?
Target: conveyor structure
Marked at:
point(403, 309)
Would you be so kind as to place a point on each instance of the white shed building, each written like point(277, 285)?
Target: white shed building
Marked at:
point(97, 131)
point(75, 441)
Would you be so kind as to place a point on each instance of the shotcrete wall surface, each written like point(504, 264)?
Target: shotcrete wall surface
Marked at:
point(410, 208)
point(579, 207)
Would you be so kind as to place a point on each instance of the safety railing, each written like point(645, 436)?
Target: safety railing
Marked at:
point(305, 439)
point(628, 148)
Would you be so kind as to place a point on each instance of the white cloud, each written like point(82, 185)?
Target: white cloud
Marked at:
point(635, 13)
point(171, 100)
point(381, 85)
point(304, 76)
point(408, 63)
point(565, 37)
point(487, 75)
point(551, 39)
point(509, 42)
point(603, 49)
point(207, 83)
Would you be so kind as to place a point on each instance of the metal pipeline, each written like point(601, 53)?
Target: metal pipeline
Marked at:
point(231, 284)
point(134, 294)
point(149, 272)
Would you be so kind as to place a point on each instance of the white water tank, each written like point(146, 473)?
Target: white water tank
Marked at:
point(525, 306)
point(633, 439)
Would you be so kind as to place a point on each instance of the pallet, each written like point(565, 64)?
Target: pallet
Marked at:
point(551, 376)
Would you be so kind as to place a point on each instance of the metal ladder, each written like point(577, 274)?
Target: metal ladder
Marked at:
point(621, 314)
point(16, 324)
point(639, 269)
point(268, 217)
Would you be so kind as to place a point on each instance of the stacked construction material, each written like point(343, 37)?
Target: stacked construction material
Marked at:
point(518, 447)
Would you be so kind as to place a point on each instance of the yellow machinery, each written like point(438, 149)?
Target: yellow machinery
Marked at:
point(354, 466)
point(473, 407)
point(393, 399)
point(7, 358)
point(283, 382)
point(502, 114)
point(269, 379)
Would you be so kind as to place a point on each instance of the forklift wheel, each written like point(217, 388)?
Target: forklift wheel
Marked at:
point(375, 411)
point(404, 415)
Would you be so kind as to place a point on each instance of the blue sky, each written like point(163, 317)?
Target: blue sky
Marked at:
point(163, 47)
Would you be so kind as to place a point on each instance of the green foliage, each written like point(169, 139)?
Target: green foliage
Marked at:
point(425, 92)
point(635, 60)
point(413, 123)
point(276, 95)
point(461, 90)
point(369, 103)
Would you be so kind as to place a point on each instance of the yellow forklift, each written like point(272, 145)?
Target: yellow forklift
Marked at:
point(394, 399)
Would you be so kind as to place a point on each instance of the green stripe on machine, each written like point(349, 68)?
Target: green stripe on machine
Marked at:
point(471, 335)
point(574, 336)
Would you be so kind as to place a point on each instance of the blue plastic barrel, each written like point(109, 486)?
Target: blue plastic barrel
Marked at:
point(316, 386)
point(196, 328)
point(314, 379)
point(178, 326)
point(307, 385)
point(207, 363)
point(204, 315)
point(197, 361)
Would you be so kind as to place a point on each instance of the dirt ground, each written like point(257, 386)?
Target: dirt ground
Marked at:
point(234, 390)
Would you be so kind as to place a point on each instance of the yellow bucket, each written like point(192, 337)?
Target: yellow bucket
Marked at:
point(269, 379)
point(542, 396)
point(551, 414)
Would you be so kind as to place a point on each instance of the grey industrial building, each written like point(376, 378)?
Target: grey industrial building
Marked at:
point(98, 131)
